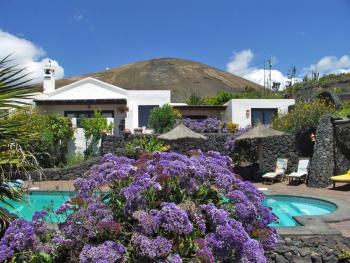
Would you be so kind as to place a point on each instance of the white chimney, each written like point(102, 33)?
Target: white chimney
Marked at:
point(49, 78)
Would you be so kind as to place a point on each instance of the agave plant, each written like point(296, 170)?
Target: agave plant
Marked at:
point(15, 143)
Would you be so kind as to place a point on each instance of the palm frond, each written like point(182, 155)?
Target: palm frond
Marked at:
point(16, 143)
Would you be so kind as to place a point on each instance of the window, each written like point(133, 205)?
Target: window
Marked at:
point(144, 112)
point(78, 115)
point(263, 116)
point(195, 117)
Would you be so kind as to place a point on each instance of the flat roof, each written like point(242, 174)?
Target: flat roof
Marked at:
point(80, 102)
point(201, 107)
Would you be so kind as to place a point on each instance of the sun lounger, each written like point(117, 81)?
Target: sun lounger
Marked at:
point(17, 184)
point(278, 174)
point(301, 173)
point(343, 178)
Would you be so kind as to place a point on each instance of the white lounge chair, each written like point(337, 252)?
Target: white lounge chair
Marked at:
point(302, 172)
point(281, 167)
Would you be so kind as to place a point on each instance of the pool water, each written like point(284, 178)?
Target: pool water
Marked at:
point(38, 201)
point(285, 207)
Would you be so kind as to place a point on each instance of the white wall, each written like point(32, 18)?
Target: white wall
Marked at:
point(93, 89)
point(237, 108)
point(88, 91)
point(78, 145)
point(143, 97)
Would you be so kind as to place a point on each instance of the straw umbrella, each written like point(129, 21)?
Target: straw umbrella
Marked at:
point(181, 132)
point(259, 132)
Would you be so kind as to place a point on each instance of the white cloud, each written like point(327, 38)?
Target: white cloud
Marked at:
point(240, 61)
point(27, 55)
point(330, 64)
point(240, 65)
point(78, 16)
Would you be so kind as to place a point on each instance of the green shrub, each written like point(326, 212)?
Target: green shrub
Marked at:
point(148, 145)
point(55, 133)
point(344, 255)
point(162, 119)
point(75, 159)
point(220, 98)
point(94, 128)
point(344, 111)
point(304, 116)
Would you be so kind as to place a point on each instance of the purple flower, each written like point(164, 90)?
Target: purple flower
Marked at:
point(59, 240)
point(175, 258)
point(251, 252)
point(237, 196)
point(217, 216)
point(64, 207)
point(149, 222)
point(175, 219)
point(39, 215)
point(109, 251)
point(205, 255)
point(246, 211)
point(200, 222)
point(38, 222)
point(209, 125)
point(19, 236)
point(84, 223)
point(159, 247)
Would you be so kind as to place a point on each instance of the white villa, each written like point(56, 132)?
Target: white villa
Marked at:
point(130, 109)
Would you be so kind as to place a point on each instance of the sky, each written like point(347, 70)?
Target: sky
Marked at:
point(85, 36)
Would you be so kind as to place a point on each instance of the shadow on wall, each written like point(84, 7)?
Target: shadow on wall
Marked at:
point(304, 142)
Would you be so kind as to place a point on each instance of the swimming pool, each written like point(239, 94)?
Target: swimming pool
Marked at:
point(286, 207)
point(38, 201)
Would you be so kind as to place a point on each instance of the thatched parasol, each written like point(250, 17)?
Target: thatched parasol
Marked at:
point(259, 132)
point(181, 132)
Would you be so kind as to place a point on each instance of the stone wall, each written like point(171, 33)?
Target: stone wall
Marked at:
point(216, 141)
point(273, 148)
point(342, 146)
point(322, 161)
point(69, 173)
point(111, 144)
point(279, 147)
point(309, 249)
point(331, 152)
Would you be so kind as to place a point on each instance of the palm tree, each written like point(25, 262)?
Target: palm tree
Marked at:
point(194, 99)
point(15, 143)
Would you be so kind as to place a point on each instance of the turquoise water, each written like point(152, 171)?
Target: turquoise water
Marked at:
point(38, 201)
point(285, 207)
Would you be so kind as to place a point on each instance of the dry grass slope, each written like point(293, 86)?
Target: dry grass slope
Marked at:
point(182, 77)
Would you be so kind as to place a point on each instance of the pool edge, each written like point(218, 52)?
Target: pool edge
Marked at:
point(315, 225)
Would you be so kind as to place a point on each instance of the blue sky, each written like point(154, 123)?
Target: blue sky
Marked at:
point(84, 36)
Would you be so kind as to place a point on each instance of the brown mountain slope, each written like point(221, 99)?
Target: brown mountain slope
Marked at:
point(182, 77)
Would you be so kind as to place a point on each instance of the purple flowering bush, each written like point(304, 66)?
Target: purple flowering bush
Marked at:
point(209, 125)
point(163, 207)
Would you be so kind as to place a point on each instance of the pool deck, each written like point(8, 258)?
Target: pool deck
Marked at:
point(335, 223)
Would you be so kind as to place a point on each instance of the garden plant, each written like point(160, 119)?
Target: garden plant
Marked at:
point(209, 125)
point(16, 144)
point(94, 128)
point(162, 207)
point(163, 119)
point(304, 116)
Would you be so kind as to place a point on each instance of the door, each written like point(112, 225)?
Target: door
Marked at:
point(263, 116)
point(144, 112)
